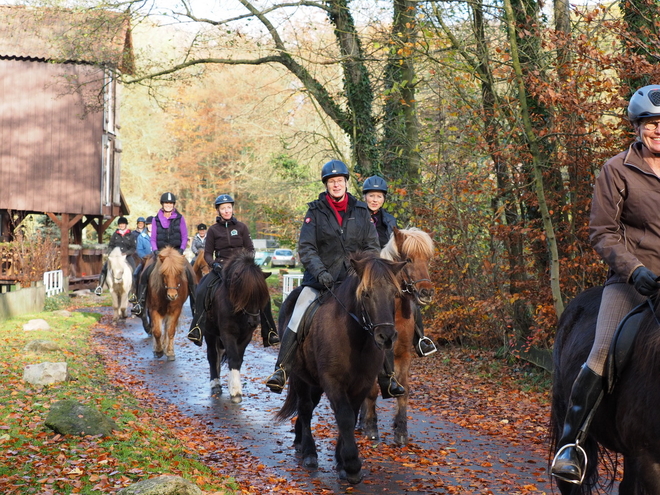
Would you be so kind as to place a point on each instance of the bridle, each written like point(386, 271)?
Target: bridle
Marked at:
point(365, 322)
point(410, 285)
point(173, 288)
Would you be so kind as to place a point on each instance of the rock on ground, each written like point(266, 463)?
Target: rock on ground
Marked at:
point(40, 346)
point(45, 373)
point(162, 485)
point(38, 324)
point(68, 417)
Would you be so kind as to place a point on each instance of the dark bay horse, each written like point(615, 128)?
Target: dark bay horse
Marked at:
point(232, 318)
point(627, 421)
point(166, 293)
point(415, 247)
point(341, 357)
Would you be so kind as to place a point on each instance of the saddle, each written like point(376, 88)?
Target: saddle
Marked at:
point(306, 321)
point(210, 291)
point(622, 342)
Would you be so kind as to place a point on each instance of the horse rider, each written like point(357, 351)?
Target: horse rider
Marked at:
point(336, 225)
point(624, 229)
point(168, 229)
point(374, 191)
point(139, 227)
point(224, 239)
point(197, 245)
point(144, 239)
point(122, 239)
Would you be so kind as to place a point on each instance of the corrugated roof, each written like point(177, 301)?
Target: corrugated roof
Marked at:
point(62, 35)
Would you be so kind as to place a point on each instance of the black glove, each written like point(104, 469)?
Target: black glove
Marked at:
point(217, 268)
point(326, 279)
point(645, 281)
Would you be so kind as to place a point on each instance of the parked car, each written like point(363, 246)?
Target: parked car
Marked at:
point(262, 258)
point(284, 257)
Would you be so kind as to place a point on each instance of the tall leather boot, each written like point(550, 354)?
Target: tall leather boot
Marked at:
point(389, 385)
point(288, 348)
point(102, 276)
point(196, 332)
point(268, 329)
point(192, 286)
point(569, 462)
point(423, 345)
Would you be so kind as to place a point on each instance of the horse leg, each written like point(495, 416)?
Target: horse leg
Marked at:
point(402, 370)
point(171, 321)
point(234, 361)
point(214, 363)
point(157, 332)
point(640, 475)
point(348, 465)
point(306, 405)
point(368, 422)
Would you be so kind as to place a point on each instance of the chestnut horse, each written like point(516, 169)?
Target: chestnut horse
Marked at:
point(200, 267)
point(166, 293)
point(341, 356)
point(232, 318)
point(626, 421)
point(415, 247)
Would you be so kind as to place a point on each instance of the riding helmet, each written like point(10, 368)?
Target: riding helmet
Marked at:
point(121, 220)
point(334, 168)
point(201, 226)
point(150, 219)
point(222, 199)
point(168, 197)
point(141, 219)
point(644, 103)
point(374, 183)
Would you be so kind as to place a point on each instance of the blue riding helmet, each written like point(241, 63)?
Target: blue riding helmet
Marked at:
point(374, 183)
point(334, 168)
point(141, 219)
point(222, 199)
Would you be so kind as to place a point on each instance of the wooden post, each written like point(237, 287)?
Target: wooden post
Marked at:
point(64, 223)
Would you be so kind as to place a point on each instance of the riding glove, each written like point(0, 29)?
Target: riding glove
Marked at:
point(217, 268)
point(326, 279)
point(645, 281)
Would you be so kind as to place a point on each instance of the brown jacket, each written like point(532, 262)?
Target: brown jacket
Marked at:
point(624, 226)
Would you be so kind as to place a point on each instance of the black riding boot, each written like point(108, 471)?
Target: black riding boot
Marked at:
point(268, 329)
point(196, 332)
point(569, 462)
point(288, 347)
point(423, 345)
point(102, 276)
point(192, 286)
point(138, 307)
point(389, 385)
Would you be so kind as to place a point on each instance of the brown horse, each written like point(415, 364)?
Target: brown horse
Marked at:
point(341, 356)
point(415, 247)
point(200, 267)
point(166, 293)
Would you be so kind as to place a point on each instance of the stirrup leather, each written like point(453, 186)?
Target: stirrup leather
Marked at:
point(427, 341)
point(580, 451)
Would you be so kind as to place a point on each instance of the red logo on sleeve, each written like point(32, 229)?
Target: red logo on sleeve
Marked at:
point(308, 219)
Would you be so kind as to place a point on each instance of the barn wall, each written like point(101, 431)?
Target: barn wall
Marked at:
point(50, 142)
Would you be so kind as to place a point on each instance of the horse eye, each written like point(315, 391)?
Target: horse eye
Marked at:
point(366, 295)
point(409, 260)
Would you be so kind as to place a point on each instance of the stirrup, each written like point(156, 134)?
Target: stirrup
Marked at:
point(426, 341)
point(276, 387)
point(195, 337)
point(136, 309)
point(99, 290)
point(579, 450)
point(132, 298)
point(272, 337)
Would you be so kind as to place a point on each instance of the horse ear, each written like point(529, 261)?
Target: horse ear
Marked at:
point(399, 237)
point(267, 274)
point(358, 265)
point(397, 266)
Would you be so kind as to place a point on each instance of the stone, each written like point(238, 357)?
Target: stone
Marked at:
point(38, 324)
point(40, 346)
point(63, 313)
point(162, 485)
point(45, 373)
point(69, 417)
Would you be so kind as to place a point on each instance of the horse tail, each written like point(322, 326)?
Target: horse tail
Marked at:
point(290, 407)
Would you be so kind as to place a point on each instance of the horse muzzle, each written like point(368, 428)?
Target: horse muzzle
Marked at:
point(385, 336)
point(424, 296)
point(172, 297)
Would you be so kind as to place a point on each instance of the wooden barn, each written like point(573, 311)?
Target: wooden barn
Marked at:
point(59, 124)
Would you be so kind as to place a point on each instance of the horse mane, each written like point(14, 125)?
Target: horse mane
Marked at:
point(375, 270)
point(172, 264)
point(649, 342)
point(416, 243)
point(247, 280)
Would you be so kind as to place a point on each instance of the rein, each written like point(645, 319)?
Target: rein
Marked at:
point(366, 322)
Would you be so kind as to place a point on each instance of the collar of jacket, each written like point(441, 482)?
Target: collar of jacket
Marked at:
point(221, 220)
point(635, 159)
point(353, 202)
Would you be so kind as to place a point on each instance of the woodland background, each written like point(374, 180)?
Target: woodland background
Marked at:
point(489, 119)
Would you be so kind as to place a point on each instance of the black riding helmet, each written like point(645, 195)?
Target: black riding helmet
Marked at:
point(334, 168)
point(201, 226)
point(123, 220)
point(644, 103)
point(150, 219)
point(222, 199)
point(374, 183)
point(168, 197)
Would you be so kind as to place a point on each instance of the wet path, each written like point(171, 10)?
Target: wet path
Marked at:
point(442, 457)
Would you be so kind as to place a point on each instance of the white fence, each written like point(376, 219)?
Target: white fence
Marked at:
point(289, 282)
point(54, 282)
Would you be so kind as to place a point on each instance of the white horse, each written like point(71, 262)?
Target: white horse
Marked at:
point(119, 282)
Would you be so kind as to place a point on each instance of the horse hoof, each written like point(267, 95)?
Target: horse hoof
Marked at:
point(236, 399)
point(401, 440)
point(372, 434)
point(298, 448)
point(158, 354)
point(171, 358)
point(354, 478)
point(311, 461)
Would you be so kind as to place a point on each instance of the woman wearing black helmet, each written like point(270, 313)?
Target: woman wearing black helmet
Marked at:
point(125, 241)
point(336, 224)
point(197, 245)
point(224, 239)
point(168, 229)
point(624, 229)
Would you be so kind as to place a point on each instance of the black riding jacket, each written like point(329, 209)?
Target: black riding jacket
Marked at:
point(325, 245)
point(125, 242)
point(225, 238)
point(385, 224)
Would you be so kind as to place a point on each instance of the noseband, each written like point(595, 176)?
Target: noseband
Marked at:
point(173, 288)
point(366, 322)
point(409, 285)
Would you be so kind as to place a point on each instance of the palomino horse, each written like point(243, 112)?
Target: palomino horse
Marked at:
point(232, 318)
point(166, 294)
point(341, 357)
point(415, 247)
point(626, 421)
point(119, 282)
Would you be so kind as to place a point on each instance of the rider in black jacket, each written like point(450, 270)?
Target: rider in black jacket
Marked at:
point(336, 224)
point(125, 241)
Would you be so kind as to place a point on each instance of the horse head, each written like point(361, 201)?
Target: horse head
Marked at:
point(172, 271)
point(376, 295)
point(116, 265)
point(415, 247)
point(247, 288)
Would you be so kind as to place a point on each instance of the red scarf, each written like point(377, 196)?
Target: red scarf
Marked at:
point(338, 206)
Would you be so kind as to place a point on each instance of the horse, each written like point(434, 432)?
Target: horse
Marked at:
point(232, 318)
point(166, 293)
point(415, 247)
point(119, 282)
point(341, 356)
point(200, 267)
point(626, 421)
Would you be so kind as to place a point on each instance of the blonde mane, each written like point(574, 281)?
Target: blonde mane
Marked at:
point(417, 243)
